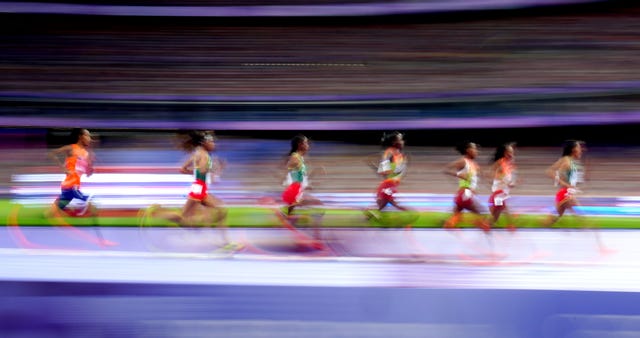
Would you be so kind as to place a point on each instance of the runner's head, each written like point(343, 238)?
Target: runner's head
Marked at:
point(573, 148)
point(394, 139)
point(299, 144)
point(468, 149)
point(209, 141)
point(505, 150)
point(81, 136)
point(198, 138)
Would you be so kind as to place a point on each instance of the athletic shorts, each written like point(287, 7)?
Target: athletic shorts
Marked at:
point(386, 190)
point(73, 201)
point(198, 190)
point(498, 199)
point(464, 199)
point(564, 194)
point(293, 193)
point(67, 195)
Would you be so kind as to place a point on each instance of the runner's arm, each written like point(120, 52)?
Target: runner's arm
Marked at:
point(90, 161)
point(384, 165)
point(552, 172)
point(55, 154)
point(187, 166)
point(452, 168)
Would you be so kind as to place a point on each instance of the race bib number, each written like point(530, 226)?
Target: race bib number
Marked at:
point(467, 195)
point(196, 188)
point(572, 191)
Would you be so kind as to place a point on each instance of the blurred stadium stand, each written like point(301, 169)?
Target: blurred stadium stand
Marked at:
point(555, 67)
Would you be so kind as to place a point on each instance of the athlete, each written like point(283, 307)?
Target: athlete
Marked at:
point(392, 167)
point(76, 160)
point(467, 171)
point(297, 179)
point(567, 173)
point(295, 194)
point(503, 169)
point(201, 207)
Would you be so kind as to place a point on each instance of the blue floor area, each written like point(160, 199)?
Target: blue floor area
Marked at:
point(36, 309)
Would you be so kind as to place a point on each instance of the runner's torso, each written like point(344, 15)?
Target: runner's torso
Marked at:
point(394, 162)
point(203, 175)
point(573, 174)
point(76, 164)
point(297, 173)
point(504, 176)
point(470, 169)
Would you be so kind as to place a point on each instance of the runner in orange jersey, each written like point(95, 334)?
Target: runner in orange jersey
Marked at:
point(75, 159)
